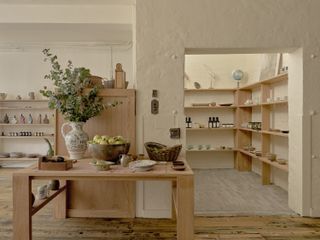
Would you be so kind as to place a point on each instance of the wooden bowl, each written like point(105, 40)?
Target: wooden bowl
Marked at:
point(108, 152)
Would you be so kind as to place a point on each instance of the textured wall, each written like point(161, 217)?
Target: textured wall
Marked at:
point(166, 28)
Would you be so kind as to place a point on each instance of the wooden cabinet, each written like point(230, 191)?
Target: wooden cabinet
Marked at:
point(99, 198)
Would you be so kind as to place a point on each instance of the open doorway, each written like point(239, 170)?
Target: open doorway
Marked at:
point(237, 132)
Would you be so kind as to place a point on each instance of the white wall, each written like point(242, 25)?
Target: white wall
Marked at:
point(81, 33)
point(238, 26)
point(23, 71)
point(199, 67)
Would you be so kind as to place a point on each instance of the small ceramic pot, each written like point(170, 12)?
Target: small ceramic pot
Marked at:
point(42, 192)
point(272, 157)
point(54, 185)
point(189, 147)
point(3, 96)
point(31, 95)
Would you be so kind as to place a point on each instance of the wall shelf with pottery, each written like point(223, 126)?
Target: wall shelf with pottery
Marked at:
point(23, 126)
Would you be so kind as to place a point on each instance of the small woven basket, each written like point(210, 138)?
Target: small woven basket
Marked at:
point(160, 152)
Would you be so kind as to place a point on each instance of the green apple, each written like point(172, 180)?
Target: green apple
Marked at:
point(103, 141)
point(111, 140)
point(96, 139)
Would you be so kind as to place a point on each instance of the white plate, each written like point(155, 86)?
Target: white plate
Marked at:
point(143, 164)
point(143, 169)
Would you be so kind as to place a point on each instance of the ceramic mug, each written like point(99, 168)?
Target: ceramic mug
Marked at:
point(31, 95)
point(269, 100)
point(3, 96)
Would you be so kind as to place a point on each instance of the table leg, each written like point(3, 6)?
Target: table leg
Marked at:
point(185, 208)
point(22, 219)
point(60, 203)
point(173, 199)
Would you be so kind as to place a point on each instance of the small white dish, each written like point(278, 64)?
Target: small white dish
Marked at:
point(102, 165)
point(142, 165)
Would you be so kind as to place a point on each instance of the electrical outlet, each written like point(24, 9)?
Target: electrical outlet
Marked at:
point(175, 133)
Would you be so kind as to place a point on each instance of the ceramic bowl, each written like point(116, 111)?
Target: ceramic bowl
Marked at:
point(108, 83)
point(108, 152)
point(282, 161)
point(189, 147)
point(102, 165)
point(271, 156)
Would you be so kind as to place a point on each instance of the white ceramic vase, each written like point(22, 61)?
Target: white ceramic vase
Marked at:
point(76, 139)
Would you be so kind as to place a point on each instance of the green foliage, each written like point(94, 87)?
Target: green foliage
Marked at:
point(70, 97)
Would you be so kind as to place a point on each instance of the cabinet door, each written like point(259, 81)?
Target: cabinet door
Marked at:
point(97, 198)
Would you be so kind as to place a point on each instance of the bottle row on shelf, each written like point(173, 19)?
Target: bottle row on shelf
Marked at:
point(25, 134)
point(27, 120)
point(213, 122)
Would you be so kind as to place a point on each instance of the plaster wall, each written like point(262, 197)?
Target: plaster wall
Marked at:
point(165, 29)
point(82, 33)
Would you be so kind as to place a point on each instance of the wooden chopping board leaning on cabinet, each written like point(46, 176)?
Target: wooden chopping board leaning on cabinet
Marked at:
point(106, 199)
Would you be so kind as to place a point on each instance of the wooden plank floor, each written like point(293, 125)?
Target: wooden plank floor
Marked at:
point(219, 228)
point(240, 194)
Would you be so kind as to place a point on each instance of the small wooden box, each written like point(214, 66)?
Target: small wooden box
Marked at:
point(55, 166)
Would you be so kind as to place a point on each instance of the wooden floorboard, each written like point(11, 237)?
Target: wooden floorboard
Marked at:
point(217, 228)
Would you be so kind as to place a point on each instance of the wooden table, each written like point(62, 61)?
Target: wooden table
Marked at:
point(182, 189)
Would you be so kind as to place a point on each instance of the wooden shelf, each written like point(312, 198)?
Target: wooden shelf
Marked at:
point(249, 106)
point(27, 108)
point(208, 107)
point(26, 125)
point(263, 104)
point(26, 137)
point(19, 159)
point(275, 164)
point(279, 78)
point(23, 100)
point(275, 103)
point(210, 129)
point(211, 150)
point(41, 203)
point(210, 90)
point(280, 134)
point(249, 130)
point(247, 153)
point(276, 79)
point(245, 113)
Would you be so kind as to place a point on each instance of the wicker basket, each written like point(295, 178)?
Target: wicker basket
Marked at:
point(160, 152)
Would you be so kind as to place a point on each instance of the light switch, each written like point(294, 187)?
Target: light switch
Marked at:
point(154, 93)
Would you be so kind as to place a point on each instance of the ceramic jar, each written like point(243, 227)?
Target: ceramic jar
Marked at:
point(125, 160)
point(54, 185)
point(76, 139)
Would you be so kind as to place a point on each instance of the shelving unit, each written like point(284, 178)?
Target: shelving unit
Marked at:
point(243, 114)
point(208, 107)
point(25, 144)
point(211, 129)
